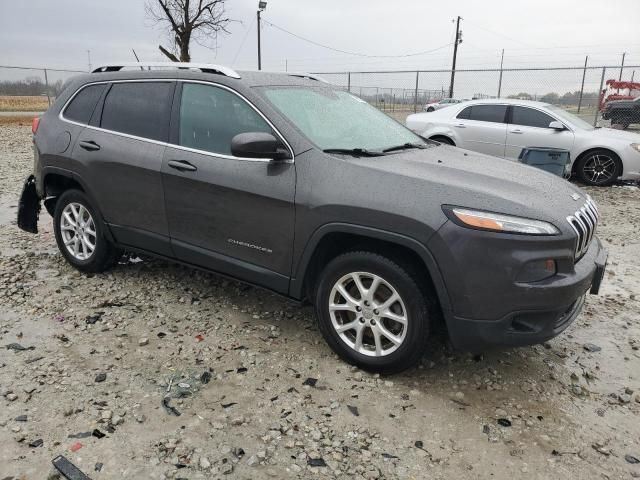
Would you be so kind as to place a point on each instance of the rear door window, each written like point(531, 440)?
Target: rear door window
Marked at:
point(82, 105)
point(138, 108)
point(488, 113)
point(211, 116)
point(530, 117)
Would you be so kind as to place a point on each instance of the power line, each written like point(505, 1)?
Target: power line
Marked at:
point(355, 54)
point(246, 34)
point(500, 34)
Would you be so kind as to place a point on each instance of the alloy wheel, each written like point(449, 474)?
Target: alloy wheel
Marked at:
point(368, 314)
point(599, 168)
point(78, 231)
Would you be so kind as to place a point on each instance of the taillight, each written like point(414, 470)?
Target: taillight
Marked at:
point(34, 124)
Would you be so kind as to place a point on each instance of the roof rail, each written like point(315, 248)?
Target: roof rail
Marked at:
point(203, 67)
point(310, 76)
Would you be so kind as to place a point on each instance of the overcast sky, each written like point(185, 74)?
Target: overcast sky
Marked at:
point(533, 33)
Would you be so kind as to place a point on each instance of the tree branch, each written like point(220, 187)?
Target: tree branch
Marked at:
point(169, 55)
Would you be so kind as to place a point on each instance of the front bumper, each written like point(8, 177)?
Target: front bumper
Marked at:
point(491, 310)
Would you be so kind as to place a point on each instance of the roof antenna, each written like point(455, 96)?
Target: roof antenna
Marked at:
point(137, 59)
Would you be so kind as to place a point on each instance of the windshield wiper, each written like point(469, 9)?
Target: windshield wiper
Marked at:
point(355, 152)
point(404, 146)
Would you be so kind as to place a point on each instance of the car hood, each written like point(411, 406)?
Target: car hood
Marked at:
point(453, 176)
point(616, 134)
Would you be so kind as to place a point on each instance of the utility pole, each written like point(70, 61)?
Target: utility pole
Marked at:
point(500, 80)
point(584, 73)
point(89, 59)
point(624, 54)
point(455, 54)
point(261, 7)
point(633, 74)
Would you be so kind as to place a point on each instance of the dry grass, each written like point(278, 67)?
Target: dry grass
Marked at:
point(15, 120)
point(9, 103)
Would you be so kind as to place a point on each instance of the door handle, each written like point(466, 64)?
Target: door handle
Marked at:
point(89, 145)
point(516, 131)
point(461, 125)
point(182, 165)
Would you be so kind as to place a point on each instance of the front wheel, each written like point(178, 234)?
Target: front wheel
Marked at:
point(599, 168)
point(372, 312)
point(80, 234)
point(431, 109)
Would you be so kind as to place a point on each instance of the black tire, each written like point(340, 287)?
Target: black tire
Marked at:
point(431, 109)
point(444, 140)
point(586, 164)
point(412, 293)
point(104, 255)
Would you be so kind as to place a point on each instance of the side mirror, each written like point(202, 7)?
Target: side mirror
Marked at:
point(258, 145)
point(557, 125)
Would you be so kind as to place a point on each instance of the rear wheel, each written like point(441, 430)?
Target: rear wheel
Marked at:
point(599, 167)
point(431, 109)
point(80, 234)
point(372, 312)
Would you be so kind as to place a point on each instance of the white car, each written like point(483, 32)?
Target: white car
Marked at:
point(445, 102)
point(504, 127)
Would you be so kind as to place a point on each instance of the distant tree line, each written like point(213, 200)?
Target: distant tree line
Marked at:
point(31, 86)
point(569, 98)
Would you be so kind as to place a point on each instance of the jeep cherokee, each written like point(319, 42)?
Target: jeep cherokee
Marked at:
point(286, 182)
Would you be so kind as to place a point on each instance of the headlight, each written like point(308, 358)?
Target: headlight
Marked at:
point(636, 146)
point(497, 222)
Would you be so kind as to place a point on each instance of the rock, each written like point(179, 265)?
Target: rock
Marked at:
point(252, 460)
point(11, 397)
point(101, 377)
point(237, 421)
point(357, 376)
point(590, 347)
point(204, 463)
point(226, 468)
point(631, 459)
point(106, 415)
point(624, 398)
point(143, 341)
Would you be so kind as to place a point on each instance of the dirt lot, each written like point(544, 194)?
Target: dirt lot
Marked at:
point(261, 396)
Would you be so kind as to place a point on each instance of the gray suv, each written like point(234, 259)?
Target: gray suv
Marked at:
point(286, 182)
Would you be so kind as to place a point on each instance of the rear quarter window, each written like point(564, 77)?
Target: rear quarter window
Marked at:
point(138, 108)
point(83, 103)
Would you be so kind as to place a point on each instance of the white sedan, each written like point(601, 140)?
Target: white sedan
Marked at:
point(445, 102)
point(504, 127)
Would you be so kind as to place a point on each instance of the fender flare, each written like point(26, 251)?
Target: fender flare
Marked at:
point(297, 282)
point(87, 191)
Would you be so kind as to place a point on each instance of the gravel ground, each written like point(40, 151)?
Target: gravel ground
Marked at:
point(260, 395)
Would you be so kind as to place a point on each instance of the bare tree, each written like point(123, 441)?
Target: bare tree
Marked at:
point(186, 20)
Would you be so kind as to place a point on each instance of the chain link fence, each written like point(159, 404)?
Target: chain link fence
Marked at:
point(31, 89)
point(400, 93)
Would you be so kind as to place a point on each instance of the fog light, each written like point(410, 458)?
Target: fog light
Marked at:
point(537, 270)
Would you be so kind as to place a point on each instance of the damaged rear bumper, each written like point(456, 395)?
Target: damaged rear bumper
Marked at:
point(29, 206)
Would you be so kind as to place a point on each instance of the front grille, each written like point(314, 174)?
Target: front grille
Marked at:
point(584, 223)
